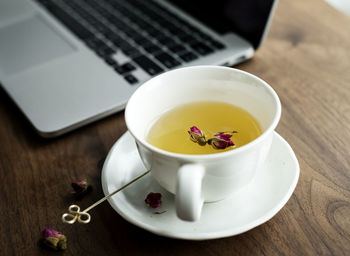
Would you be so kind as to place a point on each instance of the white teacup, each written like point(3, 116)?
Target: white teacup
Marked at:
point(202, 178)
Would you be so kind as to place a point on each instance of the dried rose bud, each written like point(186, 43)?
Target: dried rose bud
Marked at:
point(221, 141)
point(81, 187)
point(54, 239)
point(154, 200)
point(197, 135)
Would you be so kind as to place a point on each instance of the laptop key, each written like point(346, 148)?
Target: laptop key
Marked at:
point(117, 23)
point(91, 20)
point(155, 33)
point(152, 48)
point(141, 40)
point(125, 68)
point(124, 45)
point(187, 38)
point(110, 61)
point(166, 41)
point(188, 56)
point(95, 43)
point(129, 66)
point(148, 65)
point(70, 23)
point(143, 24)
point(105, 51)
point(204, 36)
point(177, 48)
point(118, 41)
point(130, 32)
point(216, 44)
point(167, 60)
point(118, 69)
point(131, 51)
point(131, 79)
point(173, 28)
point(201, 48)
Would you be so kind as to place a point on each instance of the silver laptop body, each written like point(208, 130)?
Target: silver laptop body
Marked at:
point(61, 81)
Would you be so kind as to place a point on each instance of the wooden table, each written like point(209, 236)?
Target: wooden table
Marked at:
point(306, 59)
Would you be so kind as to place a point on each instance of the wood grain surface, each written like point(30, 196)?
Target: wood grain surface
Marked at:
point(306, 59)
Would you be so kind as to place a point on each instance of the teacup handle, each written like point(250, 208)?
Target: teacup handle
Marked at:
point(189, 199)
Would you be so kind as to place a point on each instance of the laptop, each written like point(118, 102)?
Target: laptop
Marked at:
point(67, 63)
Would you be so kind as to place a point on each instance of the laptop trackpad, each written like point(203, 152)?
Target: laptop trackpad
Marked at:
point(29, 43)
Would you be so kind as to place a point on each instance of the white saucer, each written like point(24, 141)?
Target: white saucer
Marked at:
point(246, 209)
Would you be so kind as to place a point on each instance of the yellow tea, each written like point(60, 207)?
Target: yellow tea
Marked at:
point(170, 131)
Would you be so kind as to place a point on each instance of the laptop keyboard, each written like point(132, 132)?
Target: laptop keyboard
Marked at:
point(148, 35)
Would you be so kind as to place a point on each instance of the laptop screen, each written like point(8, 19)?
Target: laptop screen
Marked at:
point(247, 18)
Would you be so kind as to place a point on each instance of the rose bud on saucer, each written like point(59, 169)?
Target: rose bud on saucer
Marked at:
point(54, 239)
point(81, 187)
point(221, 141)
point(197, 135)
point(154, 200)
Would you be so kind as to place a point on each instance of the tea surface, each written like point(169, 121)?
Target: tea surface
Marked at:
point(169, 132)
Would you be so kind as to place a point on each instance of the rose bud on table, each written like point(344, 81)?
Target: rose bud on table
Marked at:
point(81, 187)
point(53, 239)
